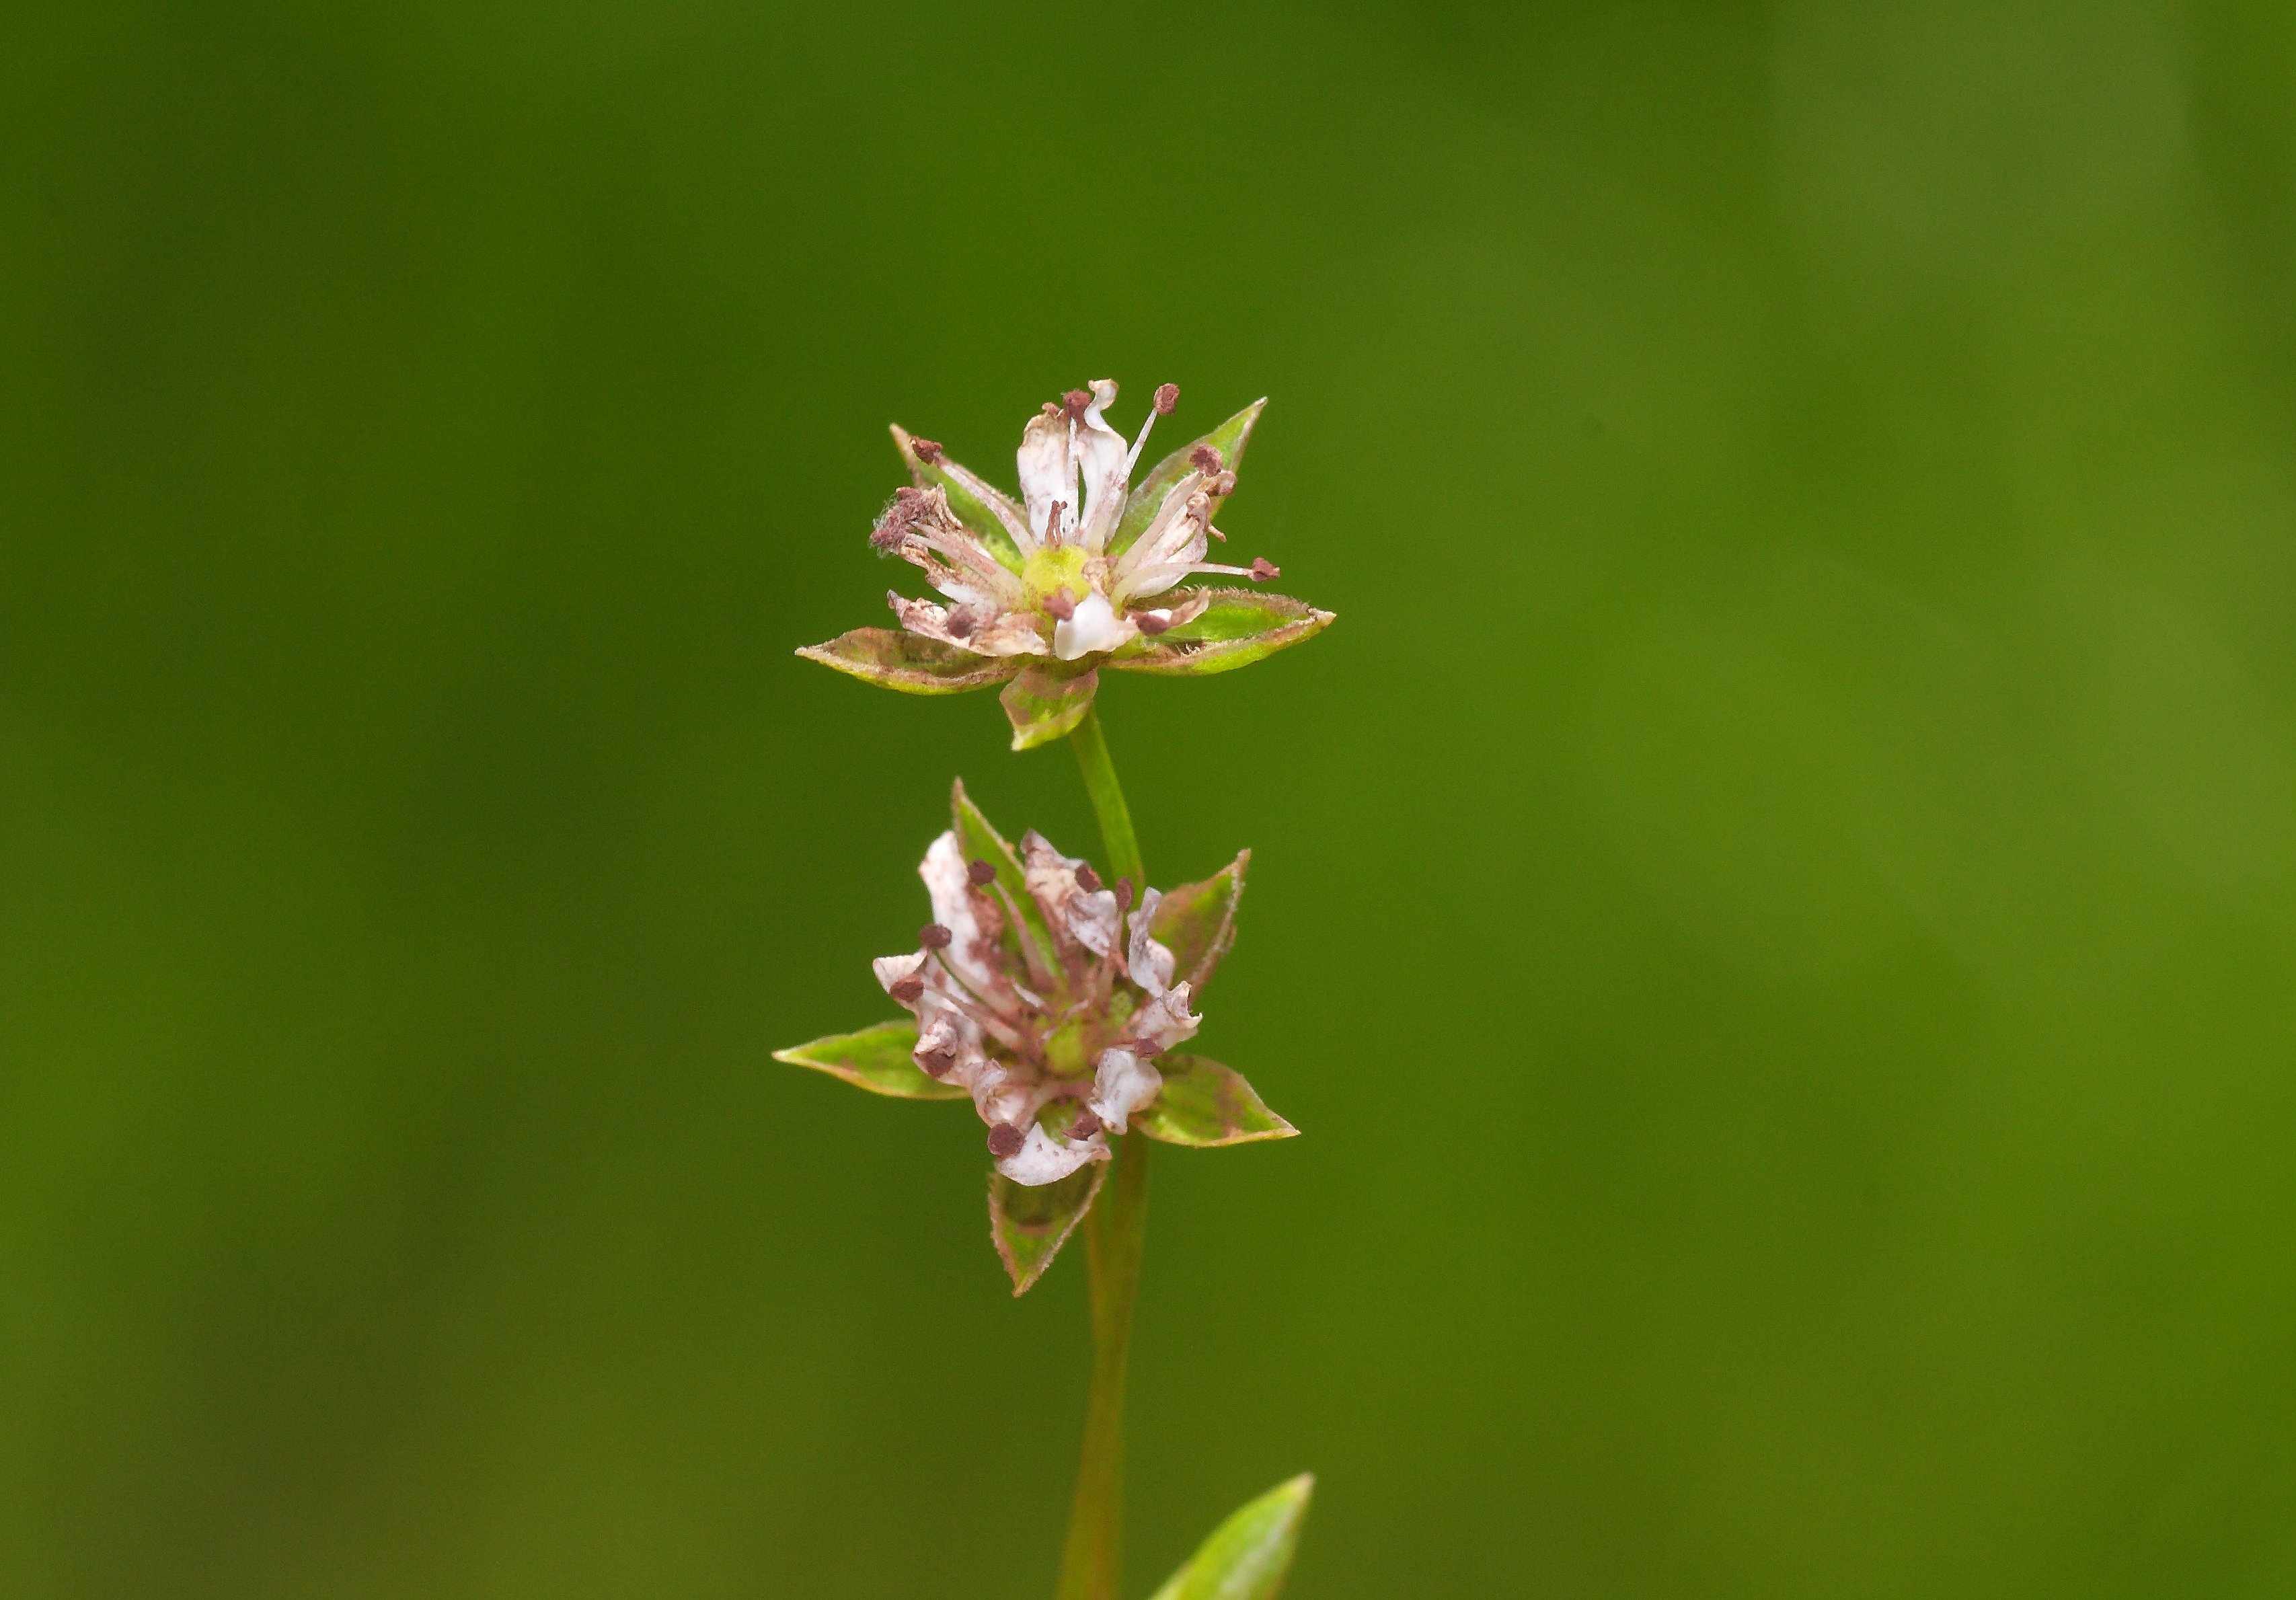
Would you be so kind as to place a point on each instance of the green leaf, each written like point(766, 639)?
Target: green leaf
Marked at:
point(1030, 1225)
point(876, 1059)
point(979, 840)
point(1043, 705)
point(1148, 494)
point(1196, 921)
point(1237, 628)
point(1248, 1555)
point(1207, 1105)
point(968, 497)
point(909, 662)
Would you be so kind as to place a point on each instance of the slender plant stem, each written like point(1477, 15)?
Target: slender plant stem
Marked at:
point(1092, 1563)
point(1091, 747)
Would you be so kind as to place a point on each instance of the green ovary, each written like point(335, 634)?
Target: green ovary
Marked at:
point(1050, 571)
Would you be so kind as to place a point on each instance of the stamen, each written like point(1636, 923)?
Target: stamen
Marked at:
point(981, 874)
point(1223, 482)
point(1086, 879)
point(928, 450)
point(1060, 605)
point(1006, 1139)
point(1151, 623)
point(1053, 522)
point(1206, 459)
point(1084, 1127)
point(937, 1063)
point(1123, 897)
point(1262, 570)
point(1074, 402)
point(1168, 395)
point(935, 936)
point(960, 623)
point(907, 991)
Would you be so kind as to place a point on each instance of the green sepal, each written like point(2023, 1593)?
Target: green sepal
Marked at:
point(876, 1059)
point(1248, 1555)
point(1237, 628)
point(1196, 921)
point(979, 840)
point(967, 502)
point(1207, 1105)
point(1030, 1223)
point(1043, 705)
point(910, 663)
point(1147, 496)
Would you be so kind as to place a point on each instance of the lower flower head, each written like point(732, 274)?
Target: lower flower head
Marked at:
point(1047, 1006)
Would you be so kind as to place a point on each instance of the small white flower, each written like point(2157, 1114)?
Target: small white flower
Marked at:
point(1067, 586)
point(1018, 1000)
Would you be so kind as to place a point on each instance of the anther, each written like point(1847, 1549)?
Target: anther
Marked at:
point(1006, 1139)
point(1223, 484)
point(1084, 1127)
point(933, 936)
point(1206, 459)
point(1086, 879)
point(1262, 570)
point(1168, 396)
point(960, 623)
point(1060, 605)
point(908, 991)
point(1123, 894)
point(1075, 401)
point(937, 1063)
point(1152, 623)
point(981, 874)
point(927, 449)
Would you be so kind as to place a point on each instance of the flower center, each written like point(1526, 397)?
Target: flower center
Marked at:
point(1055, 570)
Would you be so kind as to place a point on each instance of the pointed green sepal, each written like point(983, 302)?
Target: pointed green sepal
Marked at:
point(1207, 1105)
point(909, 662)
point(975, 500)
point(1043, 705)
point(1147, 496)
point(1237, 628)
point(876, 1059)
point(1030, 1223)
point(1196, 921)
point(1248, 1555)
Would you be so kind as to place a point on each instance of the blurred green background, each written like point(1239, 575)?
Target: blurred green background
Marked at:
point(1772, 905)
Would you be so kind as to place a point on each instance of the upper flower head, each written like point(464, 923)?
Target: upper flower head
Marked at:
point(1052, 1000)
point(1085, 568)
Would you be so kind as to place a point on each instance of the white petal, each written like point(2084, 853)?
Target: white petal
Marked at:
point(1044, 1159)
point(1176, 540)
point(969, 952)
point(1094, 626)
point(1164, 1023)
point(1149, 963)
point(1122, 1085)
point(997, 1093)
point(1015, 633)
point(1047, 471)
point(1104, 460)
point(891, 968)
point(1089, 918)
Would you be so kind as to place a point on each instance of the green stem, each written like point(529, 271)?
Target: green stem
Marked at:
point(1092, 1561)
point(1091, 747)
